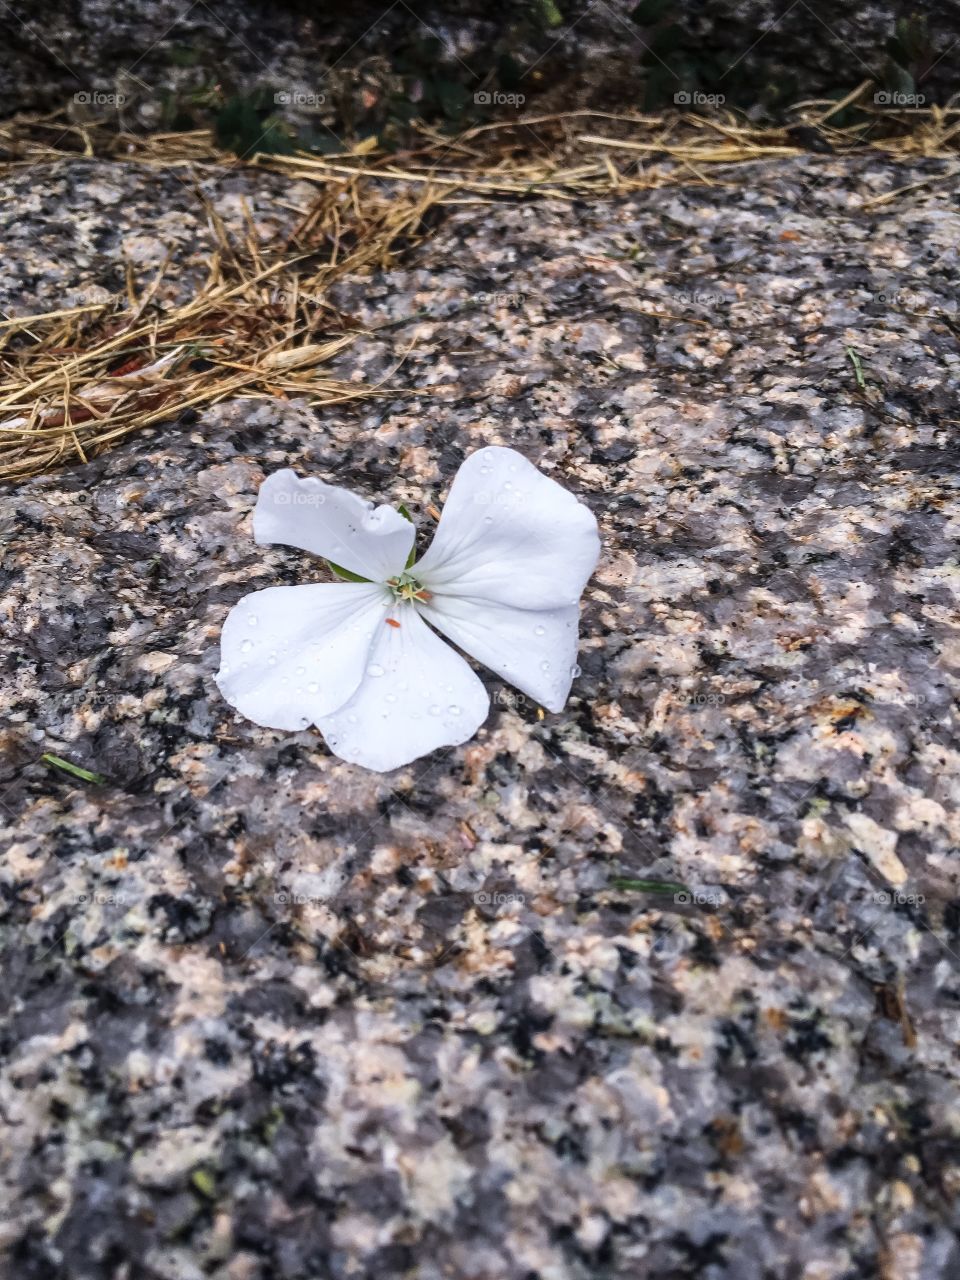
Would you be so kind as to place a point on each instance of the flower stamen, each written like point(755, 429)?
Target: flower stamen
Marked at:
point(406, 588)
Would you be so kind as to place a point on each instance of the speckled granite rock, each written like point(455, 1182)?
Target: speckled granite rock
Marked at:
point(268, 1015)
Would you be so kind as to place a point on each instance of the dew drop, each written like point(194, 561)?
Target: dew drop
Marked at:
point(488, 519)
point(575, 670)
point(453, 709)
point(391, 697)
point(246, 646)
point(313, 687)
point(434, 710)
point(374, 669)
point(539, 631)
point(300, 671)
point(544, 666)
point(352, 719)
point(252, 620)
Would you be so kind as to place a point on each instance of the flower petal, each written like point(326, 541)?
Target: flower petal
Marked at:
point(417, 695)
point(290, 655)
point(333, 523)
point(510, 534)
point(535, 650)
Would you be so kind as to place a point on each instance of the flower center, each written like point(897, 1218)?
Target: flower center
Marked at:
point(404, 587)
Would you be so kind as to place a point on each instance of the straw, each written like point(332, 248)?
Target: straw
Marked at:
point(76, 380)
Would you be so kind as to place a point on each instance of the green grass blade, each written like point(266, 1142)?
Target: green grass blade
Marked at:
point(73, 769)
point(648, 886)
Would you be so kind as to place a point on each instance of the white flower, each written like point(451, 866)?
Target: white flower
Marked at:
point(502, 579)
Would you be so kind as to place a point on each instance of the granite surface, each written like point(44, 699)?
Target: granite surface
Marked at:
point(267, 1015)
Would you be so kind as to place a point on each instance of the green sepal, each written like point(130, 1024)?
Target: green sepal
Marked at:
point(345, 574)
point(412, 557)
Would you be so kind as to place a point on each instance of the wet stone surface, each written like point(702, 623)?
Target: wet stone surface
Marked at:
point(269, 1015)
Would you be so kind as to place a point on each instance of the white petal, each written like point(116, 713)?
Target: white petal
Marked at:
point(535, 650)
point(510, 534)
point(290, 655)
point(333, 523)
point(417, 695)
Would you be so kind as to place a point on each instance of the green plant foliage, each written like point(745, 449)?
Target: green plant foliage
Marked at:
point(244, 126)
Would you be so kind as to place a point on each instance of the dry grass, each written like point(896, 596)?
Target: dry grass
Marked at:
point(75, 381)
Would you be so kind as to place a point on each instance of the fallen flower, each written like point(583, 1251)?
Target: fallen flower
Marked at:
point(502, 579)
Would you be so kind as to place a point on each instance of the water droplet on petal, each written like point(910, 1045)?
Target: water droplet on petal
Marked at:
point(434, 710)
point(246, 646)
point(453, 709)
point(352, 719)
point(374, 669)
point(544, 666)
point(488, 519)
point(252, 620)
point(575, 670)
point(539, 631)
point(391, 697)
point(313, 687)
point(300, 671)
